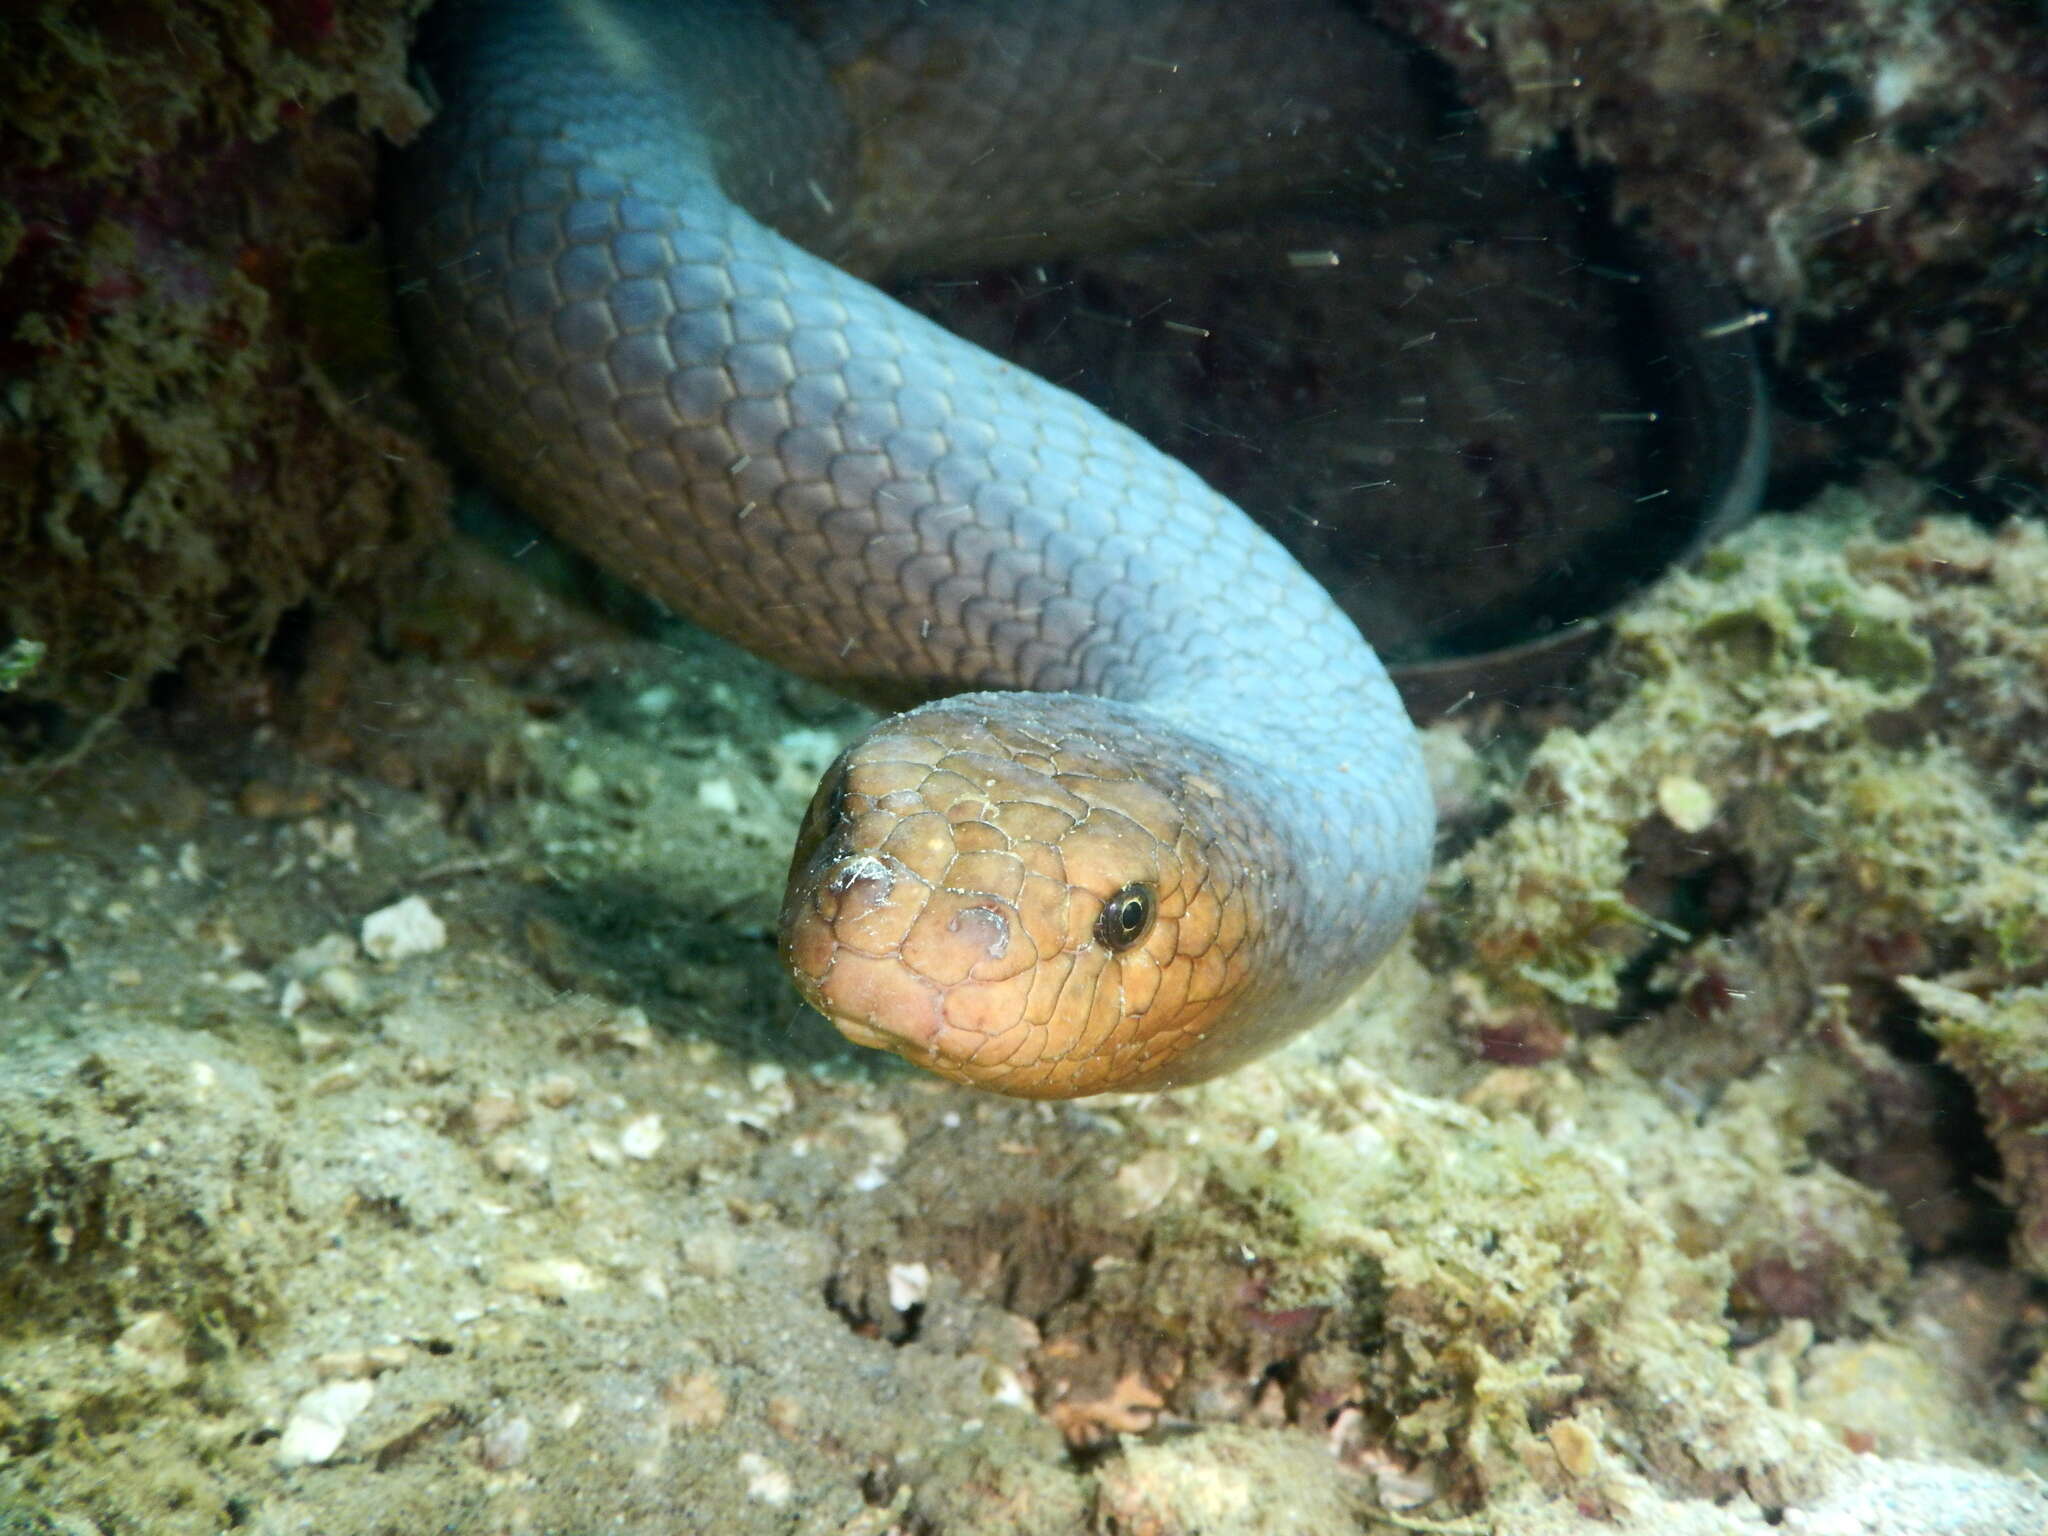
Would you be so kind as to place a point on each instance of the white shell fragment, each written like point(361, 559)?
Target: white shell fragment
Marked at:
point(642, 1136)
point(719, 796)
point(767, 1483)
point(908, 1285)
point(550, 1279)
point(402, 930)
point(320, 1420)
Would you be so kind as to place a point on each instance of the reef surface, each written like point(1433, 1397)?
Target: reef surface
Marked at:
point(448, 1150)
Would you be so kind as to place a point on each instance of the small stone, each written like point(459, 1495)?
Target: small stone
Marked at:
point(556, 1091)
point(319, 1421)
point(422, 1068)
point(641, 1137)
point(512, 1161)
point(1578, 1452)
point(801, 758)
point(311, 959)
point(492, 1111)
point(712, 1253)
point(658, 700)
point(693, 1400)
point(154, 1344)
point(884, 1134)
point(402, 930)
point(505, 1445)
point(582, 784)
point(1402, 1484)
point(317, 1044)
point(265, 801)
point(774, 1096)
point(785, 1415)
point(360, 1364)
point(1006, 1387)
point(342, 1079)
point(1143, 1183)
point(628, 1029)
point(767, 1483)
point(340, 986)
point(334, 842)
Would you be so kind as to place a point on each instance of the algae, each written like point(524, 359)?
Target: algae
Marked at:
point(18, 662)
point(180, 475)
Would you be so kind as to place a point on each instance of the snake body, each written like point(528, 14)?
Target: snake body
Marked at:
point(1167, 809)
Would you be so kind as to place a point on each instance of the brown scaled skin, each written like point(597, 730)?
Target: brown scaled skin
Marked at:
point(952, 876)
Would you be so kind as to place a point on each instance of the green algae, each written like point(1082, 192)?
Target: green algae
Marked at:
point(1797, 682)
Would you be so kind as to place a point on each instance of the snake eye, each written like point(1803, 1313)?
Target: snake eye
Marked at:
point(1125, 917)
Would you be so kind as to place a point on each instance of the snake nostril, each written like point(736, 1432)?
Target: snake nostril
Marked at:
point(862, 884)
point(983, 926)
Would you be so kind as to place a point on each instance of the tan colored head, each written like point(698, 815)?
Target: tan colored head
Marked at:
point(1017, 906)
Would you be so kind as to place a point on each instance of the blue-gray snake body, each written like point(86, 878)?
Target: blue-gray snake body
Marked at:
point(1168, 810)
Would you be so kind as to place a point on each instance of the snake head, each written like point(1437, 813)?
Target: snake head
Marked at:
point(1013, 891)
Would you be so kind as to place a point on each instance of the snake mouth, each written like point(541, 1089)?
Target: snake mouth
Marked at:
point(862, 1032)
point(875, 1002)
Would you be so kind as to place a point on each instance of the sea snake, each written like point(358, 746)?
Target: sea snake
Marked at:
point(1166, 810)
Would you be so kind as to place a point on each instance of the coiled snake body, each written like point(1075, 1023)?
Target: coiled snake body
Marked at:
point(1168, 809)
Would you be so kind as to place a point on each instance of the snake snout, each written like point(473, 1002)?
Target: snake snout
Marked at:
point(906, 920)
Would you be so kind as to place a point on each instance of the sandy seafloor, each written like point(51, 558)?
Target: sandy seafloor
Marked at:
point(454, 1158)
